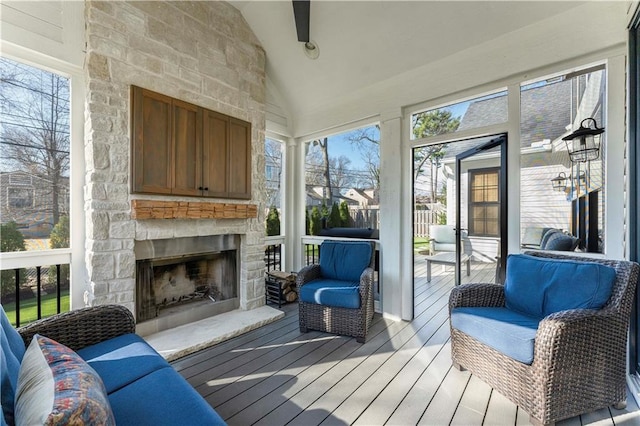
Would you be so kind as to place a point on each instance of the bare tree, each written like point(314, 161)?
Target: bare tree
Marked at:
point(273, 164)
point(369, 145)
point(323, 144)
point(427, 124)
point(341, 177)
point(35, 131)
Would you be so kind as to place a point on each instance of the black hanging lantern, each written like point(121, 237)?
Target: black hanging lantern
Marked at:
point(559, 183)
point(584, 144)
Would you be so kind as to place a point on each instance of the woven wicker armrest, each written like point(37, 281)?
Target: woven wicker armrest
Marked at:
point(308, 273)
point(366, 282)
point(83, 327)
point(581, 331)
point(478, 294)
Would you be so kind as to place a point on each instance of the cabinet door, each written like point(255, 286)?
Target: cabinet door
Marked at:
point(215, 155)
point(187, 146)
point(151, 141)
point(239, 159)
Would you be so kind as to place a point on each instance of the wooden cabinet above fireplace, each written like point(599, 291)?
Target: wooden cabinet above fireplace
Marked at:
point(182, 149)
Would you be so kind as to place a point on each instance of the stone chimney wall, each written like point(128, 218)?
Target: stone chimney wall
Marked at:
point(200, 52)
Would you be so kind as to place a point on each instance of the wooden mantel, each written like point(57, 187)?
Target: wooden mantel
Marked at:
point(154, 209)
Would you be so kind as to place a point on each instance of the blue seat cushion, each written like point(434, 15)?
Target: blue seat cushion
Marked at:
point(162, 397)
point(122, 360)
point(509, 332)
point(540, 286)
point(12, 351)
point(344, 260)
point(328, 292)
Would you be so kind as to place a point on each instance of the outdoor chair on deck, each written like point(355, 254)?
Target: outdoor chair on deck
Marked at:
point(553, 339)
point(336, 296)
point(442, 238)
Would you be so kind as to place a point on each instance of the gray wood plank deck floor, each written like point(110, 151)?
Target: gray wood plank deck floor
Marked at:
point(402, 375)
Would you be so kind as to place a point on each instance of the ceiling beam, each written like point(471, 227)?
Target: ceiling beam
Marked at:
point(301, 13)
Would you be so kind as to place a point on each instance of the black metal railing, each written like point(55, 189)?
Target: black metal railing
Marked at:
point(311, 254)
point(273, 257)
point(34, 296)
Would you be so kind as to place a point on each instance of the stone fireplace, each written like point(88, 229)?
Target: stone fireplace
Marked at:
point(212, 59)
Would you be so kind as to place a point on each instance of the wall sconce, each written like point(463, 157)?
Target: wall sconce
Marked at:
point(584, 144)
point(559, 183)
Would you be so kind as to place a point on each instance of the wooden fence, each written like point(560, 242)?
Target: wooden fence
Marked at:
point(421, 221)
point(370, 218)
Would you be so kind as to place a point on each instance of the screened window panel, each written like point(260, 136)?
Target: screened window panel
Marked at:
point(484, 203)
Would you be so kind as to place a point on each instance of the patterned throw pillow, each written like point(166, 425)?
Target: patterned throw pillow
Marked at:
point(57, 387)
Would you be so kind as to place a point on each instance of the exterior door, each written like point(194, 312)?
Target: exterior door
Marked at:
point(634, 193)
point(481, 210)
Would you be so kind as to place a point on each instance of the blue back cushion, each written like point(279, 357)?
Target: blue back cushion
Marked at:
point(11, 352)
point(539, 287)
point(561, 242)
point(344, 260)
point(546, 235)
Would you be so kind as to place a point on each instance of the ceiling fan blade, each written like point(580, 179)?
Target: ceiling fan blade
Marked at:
point(301, 13)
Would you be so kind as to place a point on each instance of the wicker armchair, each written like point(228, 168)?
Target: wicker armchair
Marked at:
point(579, 362)
point(82, 327)
point(338, 320)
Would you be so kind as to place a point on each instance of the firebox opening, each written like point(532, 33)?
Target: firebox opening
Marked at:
point(167, 283)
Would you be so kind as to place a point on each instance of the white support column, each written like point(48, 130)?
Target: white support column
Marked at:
point(615, 234)
point(396, 287)
point(513, 169)
point(80, 277)
point(294, 204)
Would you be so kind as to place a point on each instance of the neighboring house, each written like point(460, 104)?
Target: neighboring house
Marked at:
point(546, 113)
point(316, 197)
point(366, 198)
point(27, 199)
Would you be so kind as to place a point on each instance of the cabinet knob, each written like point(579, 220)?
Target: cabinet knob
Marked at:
point(200, 188)
point(206, 188)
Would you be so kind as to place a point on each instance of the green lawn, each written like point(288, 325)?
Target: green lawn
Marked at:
point(29, 311)
point(420, 243)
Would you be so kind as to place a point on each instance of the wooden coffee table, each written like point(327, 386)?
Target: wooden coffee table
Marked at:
point(446, 258)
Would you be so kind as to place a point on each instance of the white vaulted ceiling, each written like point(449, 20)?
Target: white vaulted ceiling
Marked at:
point(376, 55)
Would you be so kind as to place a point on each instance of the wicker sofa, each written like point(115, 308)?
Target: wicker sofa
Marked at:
point(336, 295)
point(141, 387)
point(578, 360)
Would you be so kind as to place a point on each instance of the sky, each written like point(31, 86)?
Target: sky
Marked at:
point(339, 145)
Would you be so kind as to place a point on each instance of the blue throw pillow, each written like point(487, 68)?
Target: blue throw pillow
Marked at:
point(539, 286)
point(344, 260)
